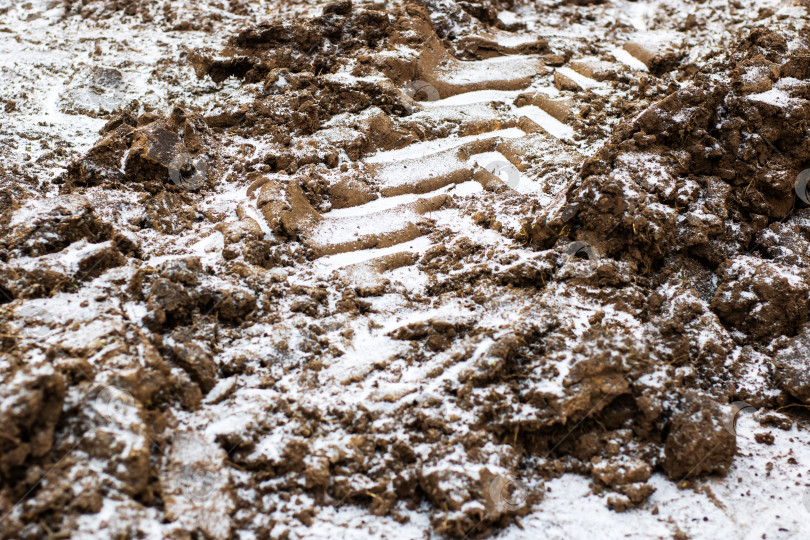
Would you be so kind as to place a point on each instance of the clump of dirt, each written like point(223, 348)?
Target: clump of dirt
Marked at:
point(151, 153)
point(172, 292)
point(32, 399)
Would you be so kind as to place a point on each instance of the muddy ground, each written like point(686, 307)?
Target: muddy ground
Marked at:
point(403, 270)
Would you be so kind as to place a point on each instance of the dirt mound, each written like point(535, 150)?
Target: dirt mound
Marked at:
point(151, 153)
point(698, 175)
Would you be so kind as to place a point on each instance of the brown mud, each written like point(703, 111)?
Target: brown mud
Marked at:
point(695, 277)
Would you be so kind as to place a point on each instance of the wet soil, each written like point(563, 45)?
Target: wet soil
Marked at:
point(174, 356)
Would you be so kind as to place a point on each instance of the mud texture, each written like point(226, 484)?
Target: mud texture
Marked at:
point(186, 355)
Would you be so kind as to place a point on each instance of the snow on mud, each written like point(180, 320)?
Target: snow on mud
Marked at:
point(407, 269)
